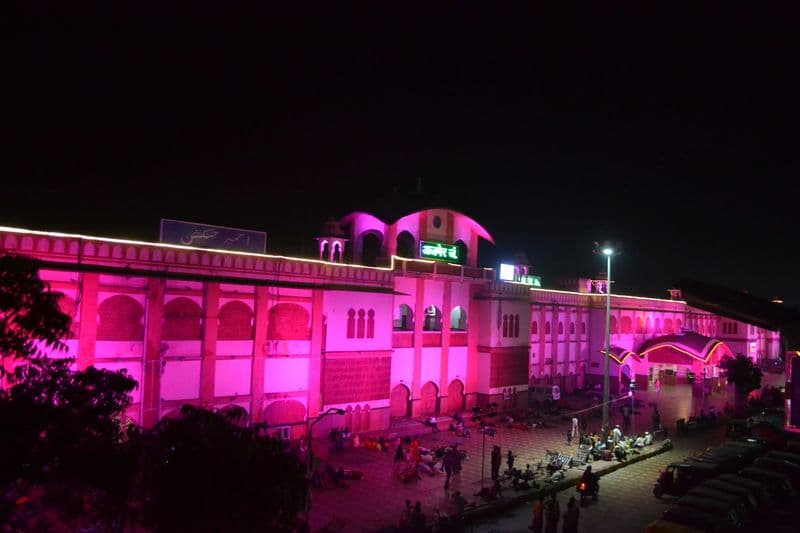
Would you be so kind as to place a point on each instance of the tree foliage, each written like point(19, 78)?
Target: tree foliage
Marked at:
point(742, 373)
point(30, 316)
point(201, 472)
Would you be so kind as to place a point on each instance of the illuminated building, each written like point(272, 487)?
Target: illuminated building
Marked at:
point(287, 338)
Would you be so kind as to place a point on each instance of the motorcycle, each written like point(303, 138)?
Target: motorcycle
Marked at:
point(586, 491)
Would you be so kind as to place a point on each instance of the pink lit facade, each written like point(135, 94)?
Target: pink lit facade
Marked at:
point(287, 338)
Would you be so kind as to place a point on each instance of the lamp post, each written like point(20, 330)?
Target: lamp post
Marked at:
point(310, 455)
point(608, 252)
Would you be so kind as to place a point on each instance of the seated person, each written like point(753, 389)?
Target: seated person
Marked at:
point(639, 443)
point(589, 478)
point(648, 438)
point(528, 474)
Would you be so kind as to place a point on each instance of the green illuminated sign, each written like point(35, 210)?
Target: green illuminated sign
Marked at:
point(534, 281)
point(439, 251)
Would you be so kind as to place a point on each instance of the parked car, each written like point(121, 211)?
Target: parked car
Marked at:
point(739, 502)
point(699, 519)
point(747, 494)
point(765, 497)
point(779, 485)
point(786, 456)
point(678, 478)
point(781, 466)
point(732, 511)
point(665, 526)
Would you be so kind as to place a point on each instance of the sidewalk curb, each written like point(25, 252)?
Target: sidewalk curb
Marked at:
point(487, 509)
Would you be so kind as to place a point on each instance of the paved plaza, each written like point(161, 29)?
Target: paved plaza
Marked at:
point(376, 501)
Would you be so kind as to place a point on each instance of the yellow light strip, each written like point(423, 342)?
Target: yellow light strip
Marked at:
point(628, 353)
point(390, 268)
point(675, 347)
point(612, 296)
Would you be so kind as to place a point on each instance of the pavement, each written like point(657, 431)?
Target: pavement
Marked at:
point(376, 501)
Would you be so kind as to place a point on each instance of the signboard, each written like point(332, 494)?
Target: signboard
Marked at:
point(217, 237)
point(509, 273)
point(439, 251)
point(357, 379)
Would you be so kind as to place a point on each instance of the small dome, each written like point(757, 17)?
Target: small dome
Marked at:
point(332, 228)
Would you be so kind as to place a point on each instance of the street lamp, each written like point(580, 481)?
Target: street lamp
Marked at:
point(608, 252)
point(309, 456)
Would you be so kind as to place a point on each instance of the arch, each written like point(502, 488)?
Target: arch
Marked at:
point(371, 245)
point(560, 328)
point(182, 319)
point(325, 250)
point(120, 319)
point(505, 325)
point(640, 325)
point(547, 328)
point(648, 328)
point(283, 412)
point(583, 328)
point(235, 321)
point(429, 399)
point(572, 328)
point(289, 322)
point(455, 396)
point(370, 324)
point(463, 251)
point(68, 306)
point(613, 325)
point(668, 326)
point(405, 244)
point(534, 328)
point(625, 325)
point(361, 324)
point(235, 414)
point(351, 323)
point(404, 320)
point(400, 402)
point(458, 319)
point(516, 326)
point(433, 319)
point(657, 326)
point(678, 325)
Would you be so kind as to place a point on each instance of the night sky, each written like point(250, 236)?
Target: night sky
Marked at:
point(672, 132)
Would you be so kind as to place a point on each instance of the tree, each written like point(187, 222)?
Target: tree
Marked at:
point(62, 435)
point(202, 472)
point(29, 313)
point(744, 375)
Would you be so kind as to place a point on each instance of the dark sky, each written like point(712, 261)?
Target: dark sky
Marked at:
point(672, 132)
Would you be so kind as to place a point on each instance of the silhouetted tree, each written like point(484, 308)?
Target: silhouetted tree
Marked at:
point(745, 377)
point(202, 472)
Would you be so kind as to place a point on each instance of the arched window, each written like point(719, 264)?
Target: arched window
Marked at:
point(458, 319)
point(433, 319)
point(289, 322)
point(516, 325)
point(351, 324)
point(658, 325)
point(370, 324)
point(560, 328)
point(370, 249)
point(678, 325)
point(735, 328)
point(667, 326)
point(583, 328)
point(648, 326)
point(625, 325)
point(235, 321)
point(505, 325)
point(640, 325)
point(404, 320)
point(120, 319)
point(360, 324)
point(405, 244)
point(547, 328)
point(572, 328)
point(613, 325)
point(182, 319)
point(534, 328)
point(68, 306)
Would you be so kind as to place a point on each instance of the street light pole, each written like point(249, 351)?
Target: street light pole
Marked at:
point(608, 252)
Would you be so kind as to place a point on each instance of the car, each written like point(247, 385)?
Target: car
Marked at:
point(677, 478)
point(665, 526)
point(786, 456)
point(732, 511)
point(740, 503)
point(779, 485)
point(746, 494)
point(699, 519)
point(781, 466)
point(757, 488)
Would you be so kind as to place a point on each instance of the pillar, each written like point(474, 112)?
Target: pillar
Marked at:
point(315, 362)
point(419, 321)
point(260, 324)
point(445, 350)
point(151, 394)
point(87, 336)
point(208, 346)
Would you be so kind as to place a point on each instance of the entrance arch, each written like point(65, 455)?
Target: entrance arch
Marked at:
point(429, 399)
point(455, 396)
point(399, 403)
point(625, 376)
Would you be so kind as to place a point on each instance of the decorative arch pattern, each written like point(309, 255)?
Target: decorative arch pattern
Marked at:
point(284, 412)
point(182, 319)
point(289, 322)
point(235, 321)
point(120, 319)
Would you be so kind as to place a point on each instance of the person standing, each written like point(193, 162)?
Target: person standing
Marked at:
point(657, 385)
point(510, 461)
point(575, 432)
point(537, 519)
point(551, 514)
point(497, 459)
point(656, 419)
point(447, 461)
point(571, 517)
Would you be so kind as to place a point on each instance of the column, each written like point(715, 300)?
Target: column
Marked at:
point(473, 336)
point(260, 324)
point(208, 347)
point(87, 336)
point(445, 350)
point(419, 321)
point(151, 394)
point(315, 398)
